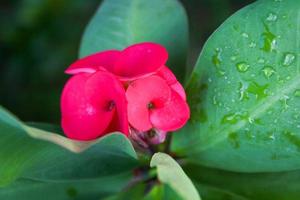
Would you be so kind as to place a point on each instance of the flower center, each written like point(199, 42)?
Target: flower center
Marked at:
point(150, 105)
point(151, 133)
point(110, 105)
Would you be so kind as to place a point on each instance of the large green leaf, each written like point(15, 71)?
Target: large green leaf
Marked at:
point(40, 155)
point(170, 173)
point(120, 23)
point(220, 185)
point(245, 92)
point(92, 189)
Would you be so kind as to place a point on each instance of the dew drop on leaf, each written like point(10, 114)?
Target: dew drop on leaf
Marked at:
point(233, 58)
point(284, 101)
point(245, 35)
point(288, 59)
point(269, 40)
point(271, 136)
point(215, 102)
point(252, 45)
point(268, 71)
point(233, 118)
point(243, 91)
point(242, 66)
point(271, 17)
point(216, 59)
point(260, 91)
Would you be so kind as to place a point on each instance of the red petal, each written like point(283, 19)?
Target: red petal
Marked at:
point(111, 89)
point(85, 105)
point(172, 116)
point(140, 93)
point(140, 59)
point(177, 87)
point(91, 63)
point(167, 74)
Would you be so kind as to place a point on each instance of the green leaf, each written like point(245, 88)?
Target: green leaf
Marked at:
point(170, 172)
point(162, 192)
point(46, 127)
point(40, 155)
point(214, 193)
point(120, 23)
point(216, 184)
point(245, 93)
point(136, 191)
point(98, 188)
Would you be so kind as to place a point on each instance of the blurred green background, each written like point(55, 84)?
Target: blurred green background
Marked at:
point(40, 38)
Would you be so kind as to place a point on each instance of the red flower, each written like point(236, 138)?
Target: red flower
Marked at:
point(133, 62)
point(112, 88)
point(93, 105)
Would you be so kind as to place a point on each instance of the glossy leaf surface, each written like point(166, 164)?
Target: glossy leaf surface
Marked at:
point(40, 155)
point(220, 185)
point(245, 92)
point(79, 190)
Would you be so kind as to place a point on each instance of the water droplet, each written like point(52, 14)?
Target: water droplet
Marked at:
point(284, 101)
point(268, 71)
point(271, 17)
point(288, 59)
point(251, 120)
point(215, 102)
point(233, 58)
point(242, 66)
point(252, 45)
point(233, 118)
point(271, 136)
point(243, 91)
point(245, 35)
point(216, 59)
point(209, 80)
point(260, 91)
point(233, 139)
point(269, 39)
point(297, 93)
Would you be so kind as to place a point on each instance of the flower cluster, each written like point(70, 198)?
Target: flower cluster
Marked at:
point(130, 91)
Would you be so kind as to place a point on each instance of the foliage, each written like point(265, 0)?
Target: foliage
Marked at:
point(242, 141)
